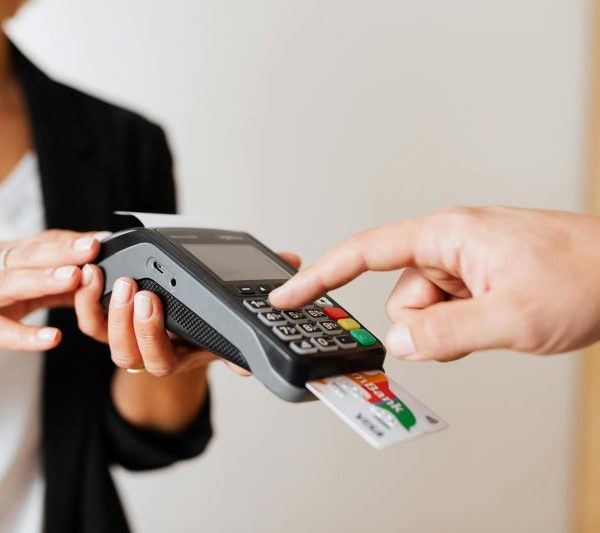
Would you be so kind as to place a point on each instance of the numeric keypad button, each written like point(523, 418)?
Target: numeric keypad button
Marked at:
point(303, 347)
point(315, 314)
point(345, 341)
point(310, 329)
point(295, 316)
point(273, 318)
point(324, 302)
point(287, 333)
point(258, 305)
point(330, 327)
point(324, 344)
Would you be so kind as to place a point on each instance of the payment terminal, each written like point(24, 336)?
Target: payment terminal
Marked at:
point(214, 286)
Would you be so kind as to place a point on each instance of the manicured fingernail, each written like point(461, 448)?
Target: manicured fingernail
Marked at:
point(400, 343)
point(142, 307)
point(121, 291)
point(65, 273)
point(87, 275)
point(101, 235)
point(84, 244)
point(47, 334)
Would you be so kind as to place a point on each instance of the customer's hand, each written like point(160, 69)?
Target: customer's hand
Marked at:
point(474, 278)
point(134, 326)
point(40, 272)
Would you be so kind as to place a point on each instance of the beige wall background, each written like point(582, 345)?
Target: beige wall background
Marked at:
point(303, 121)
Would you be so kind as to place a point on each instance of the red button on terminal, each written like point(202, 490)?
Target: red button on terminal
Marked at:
point(335, 313)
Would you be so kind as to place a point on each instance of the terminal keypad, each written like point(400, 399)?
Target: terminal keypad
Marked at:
point(321, 327)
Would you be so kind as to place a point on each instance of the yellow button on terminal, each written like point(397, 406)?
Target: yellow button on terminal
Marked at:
point(348, 324)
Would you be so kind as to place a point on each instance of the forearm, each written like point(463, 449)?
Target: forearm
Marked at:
point(166, 404)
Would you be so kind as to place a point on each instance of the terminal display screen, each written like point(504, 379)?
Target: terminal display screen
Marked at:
point(237, 262)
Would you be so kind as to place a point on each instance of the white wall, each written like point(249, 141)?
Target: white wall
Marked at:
point(303, 121)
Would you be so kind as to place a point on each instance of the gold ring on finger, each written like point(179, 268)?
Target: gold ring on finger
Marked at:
point(136, 370)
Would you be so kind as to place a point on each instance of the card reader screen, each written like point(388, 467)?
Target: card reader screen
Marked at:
point(237, 262)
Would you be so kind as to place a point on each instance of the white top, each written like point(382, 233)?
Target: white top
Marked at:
point(21, 479)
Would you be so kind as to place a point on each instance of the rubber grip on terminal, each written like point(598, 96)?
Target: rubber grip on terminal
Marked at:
point(182, 321)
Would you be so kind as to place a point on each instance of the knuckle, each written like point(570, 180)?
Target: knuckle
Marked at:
point(160, 368)
point(85, 325)
point(89, 327)
point(358, 239)
point(358, 245)
point(458, 211)
point(119, 325)
point(49, 235)
point(459, 215)
point(122, 359)
point(57, 235)
point(19, 255)
point(24, 337)
point(392, 309)
point(397, 314)
point(146, 336)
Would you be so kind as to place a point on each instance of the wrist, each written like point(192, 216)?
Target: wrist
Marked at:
point(167, 404)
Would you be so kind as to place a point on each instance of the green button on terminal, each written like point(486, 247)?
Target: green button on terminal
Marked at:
point(363, 337)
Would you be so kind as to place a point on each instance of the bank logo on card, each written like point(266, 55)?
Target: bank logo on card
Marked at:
point(379, 394)
point(376, 407)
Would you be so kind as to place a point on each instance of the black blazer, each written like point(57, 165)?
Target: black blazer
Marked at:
point(94, 158)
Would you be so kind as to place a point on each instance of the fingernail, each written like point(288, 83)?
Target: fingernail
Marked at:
point(87, 275)
point(84, 244)
point(47, 334)
point(101, 235)
point(121, 291)
point(401, 344)
point(65, 273)
point(142, 306)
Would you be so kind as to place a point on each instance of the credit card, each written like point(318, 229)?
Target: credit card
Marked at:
point(376, 407)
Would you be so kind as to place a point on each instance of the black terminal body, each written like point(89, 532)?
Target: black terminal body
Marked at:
point(214, 286)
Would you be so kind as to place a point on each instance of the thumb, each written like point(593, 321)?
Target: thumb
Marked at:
point(450, 330)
